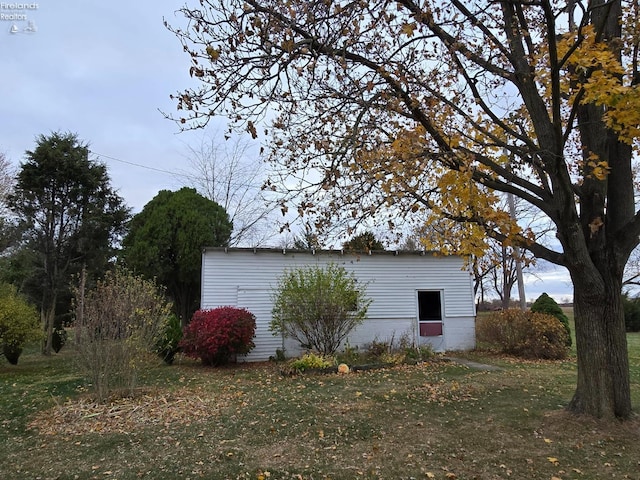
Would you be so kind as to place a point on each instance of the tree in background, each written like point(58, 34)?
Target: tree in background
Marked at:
point(7, 226)
point(165, 242)
point(430, 110)
point(308, 239)
point(318, 307)
point(6, 183)
point(71, 219)
point(232, 175)
point(364, 242)
point(631, 307)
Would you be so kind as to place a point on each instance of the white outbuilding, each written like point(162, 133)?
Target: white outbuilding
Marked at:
point(419, 296)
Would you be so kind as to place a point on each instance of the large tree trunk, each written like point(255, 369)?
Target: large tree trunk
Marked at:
point(603, 388)
point(607, 208)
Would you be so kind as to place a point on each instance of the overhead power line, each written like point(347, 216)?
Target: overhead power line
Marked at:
point(139, 165)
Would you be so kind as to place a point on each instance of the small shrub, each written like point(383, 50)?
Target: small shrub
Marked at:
point(215, 336)
point(311, 361)
point(318, 307)
point(19, 323)
point(279, 357)
point(168, 344)
point(11, 353)
point(503, 329)
point(524, 334)
point(350, 355)
point(420, 353)
point(547, 338)
point(377, 349)
point(116, 330)
point(545, 304)
point(393, 358)
point(58, 338)
point(404, 350)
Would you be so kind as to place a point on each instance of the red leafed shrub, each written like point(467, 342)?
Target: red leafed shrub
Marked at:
point(215, 336)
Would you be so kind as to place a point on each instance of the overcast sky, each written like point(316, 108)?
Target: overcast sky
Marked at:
point(105, 70)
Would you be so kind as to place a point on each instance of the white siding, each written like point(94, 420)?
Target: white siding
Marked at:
point(246, 278)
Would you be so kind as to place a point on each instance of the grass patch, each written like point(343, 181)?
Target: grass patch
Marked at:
point(432, 420)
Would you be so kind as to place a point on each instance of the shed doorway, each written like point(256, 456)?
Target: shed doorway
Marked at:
point(430, 313)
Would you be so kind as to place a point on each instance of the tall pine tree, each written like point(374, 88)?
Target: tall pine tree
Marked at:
point(71, 218)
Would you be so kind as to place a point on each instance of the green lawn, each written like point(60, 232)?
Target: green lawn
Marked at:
point(438, 420)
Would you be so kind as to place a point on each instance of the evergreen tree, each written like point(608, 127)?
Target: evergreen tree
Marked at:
point(166, 239)
point(71, 219)
point(545, 304)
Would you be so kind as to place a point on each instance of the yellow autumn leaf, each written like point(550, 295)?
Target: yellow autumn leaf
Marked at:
point(548, 440)
point(553, 460)
point(430, 475)
point(213, 53)
point(408, 29)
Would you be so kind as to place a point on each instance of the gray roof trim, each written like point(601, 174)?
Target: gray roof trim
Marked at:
point(285, 251)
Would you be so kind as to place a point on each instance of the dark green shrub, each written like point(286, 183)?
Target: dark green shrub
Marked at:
point(631, 306)
point(545, 304)
point(524, 334)
point(216, 336)
point(58, 338)
point(168, 344)
point(279, 357)
point(11, 353)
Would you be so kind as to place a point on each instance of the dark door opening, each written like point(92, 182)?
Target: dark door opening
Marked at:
point(429, 313)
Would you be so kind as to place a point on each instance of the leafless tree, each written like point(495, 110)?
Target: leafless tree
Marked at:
point(7, 179)
point(231, 173)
